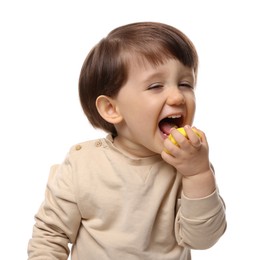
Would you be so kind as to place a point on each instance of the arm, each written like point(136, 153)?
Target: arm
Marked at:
point(58, 219)
point(201, 217)
point(200, 222)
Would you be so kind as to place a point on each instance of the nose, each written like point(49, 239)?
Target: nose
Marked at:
point(175, 96)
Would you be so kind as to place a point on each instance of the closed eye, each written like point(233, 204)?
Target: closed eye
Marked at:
point(186, 85)
point(154, 86)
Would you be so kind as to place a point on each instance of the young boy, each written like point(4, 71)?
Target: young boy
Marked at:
point(134, 195)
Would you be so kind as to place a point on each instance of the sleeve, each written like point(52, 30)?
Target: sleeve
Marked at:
point(200, 222)
point(58, 219)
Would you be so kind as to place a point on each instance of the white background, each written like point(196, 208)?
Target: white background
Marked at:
point(42, 48)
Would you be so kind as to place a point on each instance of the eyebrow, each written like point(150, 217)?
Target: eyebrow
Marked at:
point(152, 76)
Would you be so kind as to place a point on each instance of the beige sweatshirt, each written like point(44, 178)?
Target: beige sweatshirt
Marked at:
point(111, 207)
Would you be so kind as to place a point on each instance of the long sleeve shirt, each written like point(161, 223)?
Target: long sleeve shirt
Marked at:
point(110, 206)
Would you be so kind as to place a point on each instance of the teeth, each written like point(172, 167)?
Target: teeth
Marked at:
point(178, 116)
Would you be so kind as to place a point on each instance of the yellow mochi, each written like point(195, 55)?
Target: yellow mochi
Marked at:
point(182, 131)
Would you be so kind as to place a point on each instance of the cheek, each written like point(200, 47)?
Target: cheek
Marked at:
point(192, 108)
point(191, 101)
point(191, 105)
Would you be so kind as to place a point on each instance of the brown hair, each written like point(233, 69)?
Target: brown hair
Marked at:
point(105, 69)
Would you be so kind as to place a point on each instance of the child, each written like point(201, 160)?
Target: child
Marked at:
point(134, 195)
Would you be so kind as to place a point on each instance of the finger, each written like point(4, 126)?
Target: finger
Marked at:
point(171, 148)
point(193, 136)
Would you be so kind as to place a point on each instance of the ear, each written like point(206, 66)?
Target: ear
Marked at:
point(108, 110)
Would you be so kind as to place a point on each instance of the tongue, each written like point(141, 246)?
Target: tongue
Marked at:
point(165, 127)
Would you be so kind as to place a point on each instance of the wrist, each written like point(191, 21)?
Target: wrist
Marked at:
point(199, 185)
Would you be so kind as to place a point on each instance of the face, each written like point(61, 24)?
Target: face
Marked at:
point(152, 101)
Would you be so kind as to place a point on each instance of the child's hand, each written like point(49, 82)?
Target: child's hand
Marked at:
point(189, 154)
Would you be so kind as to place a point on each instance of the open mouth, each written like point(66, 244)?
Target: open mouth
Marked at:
point(167, 123)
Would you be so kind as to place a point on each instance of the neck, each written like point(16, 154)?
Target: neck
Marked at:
point(131, 149)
